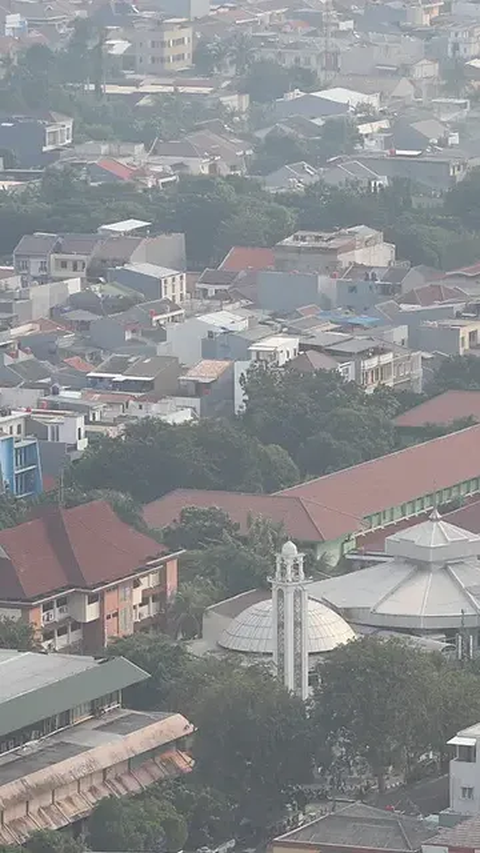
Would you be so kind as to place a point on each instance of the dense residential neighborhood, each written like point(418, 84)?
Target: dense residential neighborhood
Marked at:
point(239, 426)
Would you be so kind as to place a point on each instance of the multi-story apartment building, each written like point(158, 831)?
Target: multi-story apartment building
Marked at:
point(465, 771)
point(20, 466)
point(331, 251)
point(66, 742)
point(153, 281)
point(162, 46)
point(82, 577)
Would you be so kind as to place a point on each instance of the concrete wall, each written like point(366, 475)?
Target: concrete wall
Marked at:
point(286, 291)
point(166, 250)
point(184, 340)
point(185, 8)
point(149, 285)
point(439, 339)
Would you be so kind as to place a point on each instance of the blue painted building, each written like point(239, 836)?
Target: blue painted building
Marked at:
point(20, 468)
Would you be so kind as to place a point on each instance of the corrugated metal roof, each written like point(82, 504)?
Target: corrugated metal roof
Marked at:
point(38, 703)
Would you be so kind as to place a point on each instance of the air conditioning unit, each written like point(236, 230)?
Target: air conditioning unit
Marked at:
point(49, 616)
point(63, 609)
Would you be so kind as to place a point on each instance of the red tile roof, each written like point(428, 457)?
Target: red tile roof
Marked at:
point(430, 294)
point(338, 502)
point(470, 272)
point(125, 173)
point(78, 364)
point(244, 258)
point(444, 409)
point(292, 512)
point(81, 547)
point(467, 517)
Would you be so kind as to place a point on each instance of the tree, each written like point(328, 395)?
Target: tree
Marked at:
point(158, 655)
point(322, 454)
point(198, 527)
point(49, 841)
point(253, 742)
point(210, 57)
point(186, 610)
point(388, 703)
point(17, 634)
point(141, 823)
point(461, 372)
point(266, 81)
point(278, 149)
point(322, 421)
point(209, 813)
point(152, 458)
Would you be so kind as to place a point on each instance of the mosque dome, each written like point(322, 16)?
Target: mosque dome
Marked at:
point(252, 630)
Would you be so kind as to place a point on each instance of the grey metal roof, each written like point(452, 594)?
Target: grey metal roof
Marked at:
point(432, 582)
point(359, 825)
point(35, 244)
point(34, 686)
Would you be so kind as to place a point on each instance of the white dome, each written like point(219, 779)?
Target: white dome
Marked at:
point(289, 550)
point(252, 630)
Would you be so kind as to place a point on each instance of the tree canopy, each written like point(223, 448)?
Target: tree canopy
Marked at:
point(388, 702)
point(153, 458)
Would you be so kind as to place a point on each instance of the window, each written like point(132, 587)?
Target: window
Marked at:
point(74, 266)
point(79, 433)
point(63, 265)
point(466, 754)
point(467, 793)
point(24, 266)
point(75, 626)
point(42, 266)
point(93, 598)
point(48, 636)
point(61, 602)
point(54, 432)
point(61, 632)
point(46, 606)
point(19, 429)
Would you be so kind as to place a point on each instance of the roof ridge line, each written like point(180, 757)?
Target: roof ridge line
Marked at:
point(377, 459)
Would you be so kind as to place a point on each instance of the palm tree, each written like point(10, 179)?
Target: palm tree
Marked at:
point(185, 611)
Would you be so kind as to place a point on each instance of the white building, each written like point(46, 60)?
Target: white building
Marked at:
point(465, 771)
point(275, 350)
point(428, 585)
point(290, 621)
point(329, 252)
point(63, 426)
point(288, 629)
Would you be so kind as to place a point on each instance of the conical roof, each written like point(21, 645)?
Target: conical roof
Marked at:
point(433, 541)
point(431, 582)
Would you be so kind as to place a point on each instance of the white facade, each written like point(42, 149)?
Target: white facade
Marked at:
point(290, 621)
point(465, 771)
point(275, 350)
point(63, 426)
